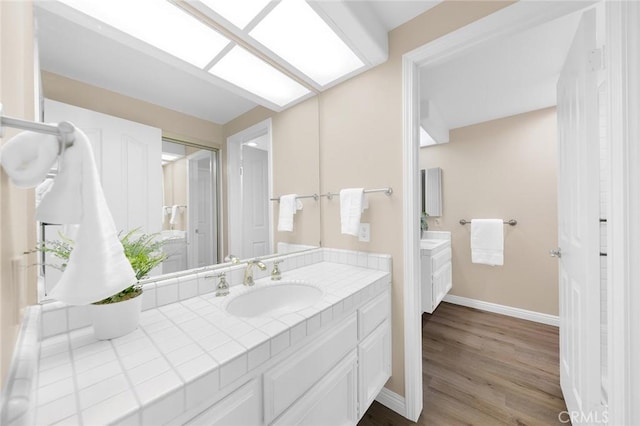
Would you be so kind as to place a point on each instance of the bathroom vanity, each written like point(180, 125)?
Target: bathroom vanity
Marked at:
point(195, 360)
point(435, 268)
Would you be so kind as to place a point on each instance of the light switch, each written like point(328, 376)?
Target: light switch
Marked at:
point(365, 232)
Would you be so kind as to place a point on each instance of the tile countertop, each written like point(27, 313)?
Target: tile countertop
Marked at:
point(183, 352)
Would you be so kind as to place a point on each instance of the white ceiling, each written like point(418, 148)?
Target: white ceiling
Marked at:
point(501, 78)
point(85, 54)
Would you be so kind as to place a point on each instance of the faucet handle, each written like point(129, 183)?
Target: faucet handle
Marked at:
point(223, 286)
point(276, 274)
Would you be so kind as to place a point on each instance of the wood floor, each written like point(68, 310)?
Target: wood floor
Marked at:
point(480, 368)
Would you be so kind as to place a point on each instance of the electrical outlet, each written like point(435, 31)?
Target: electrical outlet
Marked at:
point(365, 232)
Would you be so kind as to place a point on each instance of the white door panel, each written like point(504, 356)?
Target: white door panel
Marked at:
point(578, 224)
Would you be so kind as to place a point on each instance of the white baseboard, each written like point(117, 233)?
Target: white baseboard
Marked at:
point(504, 310)
point(392, 401)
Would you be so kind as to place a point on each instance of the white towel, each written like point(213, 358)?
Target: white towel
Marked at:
point(28, 157)
point(289, 205)
point(352, 204)
point(97, 267)
point(174, 215)
point(487, 241)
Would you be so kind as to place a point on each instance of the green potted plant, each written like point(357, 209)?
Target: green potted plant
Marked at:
point(119, 314)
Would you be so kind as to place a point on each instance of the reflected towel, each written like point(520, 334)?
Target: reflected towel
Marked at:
point(174, 215)
point(352, 204)
point(28, 157)
point(97, 267)
point(289, 205)
point(487, 241)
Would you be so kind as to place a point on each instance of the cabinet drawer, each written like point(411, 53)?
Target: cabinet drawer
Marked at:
point(440, 259)
point(286, 382)
point(373, 313)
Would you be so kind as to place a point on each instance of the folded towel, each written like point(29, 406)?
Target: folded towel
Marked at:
point(352, 204)
point(289, 204)
point(174, 215)
point(487, 241)
point(28, 157)
point(97, 266)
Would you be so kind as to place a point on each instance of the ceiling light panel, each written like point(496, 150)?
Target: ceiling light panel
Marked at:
point(238, 12)
point(256, 76)
point(296, 33)
point(160, 24)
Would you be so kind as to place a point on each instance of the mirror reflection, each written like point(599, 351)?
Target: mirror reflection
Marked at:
point(180, 160)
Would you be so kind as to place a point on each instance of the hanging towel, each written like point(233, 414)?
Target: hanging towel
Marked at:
point(289, 205)
point(97, 266)
point(28, 157)
point(487, 241)
point(174, 215)
point(352, 204)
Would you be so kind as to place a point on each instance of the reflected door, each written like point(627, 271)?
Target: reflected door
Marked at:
point(255, 202)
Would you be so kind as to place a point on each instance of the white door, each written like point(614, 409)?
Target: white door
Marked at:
point(128, 157)
point(578, 225)
point(201, 227)
point(255, 202)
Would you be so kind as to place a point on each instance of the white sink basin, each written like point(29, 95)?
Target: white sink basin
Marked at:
point(274, 299)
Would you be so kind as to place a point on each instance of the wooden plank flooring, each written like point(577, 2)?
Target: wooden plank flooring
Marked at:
point(480, 368)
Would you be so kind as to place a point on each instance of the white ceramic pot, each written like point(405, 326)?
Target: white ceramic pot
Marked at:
point(116, 319)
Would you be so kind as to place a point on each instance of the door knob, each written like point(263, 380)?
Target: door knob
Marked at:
point(555, 252)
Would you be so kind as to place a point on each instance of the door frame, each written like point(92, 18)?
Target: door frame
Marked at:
point(234, 182)
point(622, 63)
point(510, 20)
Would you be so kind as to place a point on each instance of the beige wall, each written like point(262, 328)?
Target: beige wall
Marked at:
point(505, 169)
point(361, 146)
point(174, 124)
point(174, 177)
point(17, 228)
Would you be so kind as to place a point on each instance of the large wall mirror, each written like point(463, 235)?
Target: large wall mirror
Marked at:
point(186, 185)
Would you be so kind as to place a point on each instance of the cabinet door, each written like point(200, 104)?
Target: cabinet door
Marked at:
point(332, 401)
point(241, 407)
point(441, 284)
point(374, 364)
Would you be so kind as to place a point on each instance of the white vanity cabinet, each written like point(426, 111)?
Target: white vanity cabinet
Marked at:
point(331, 380)
point(435, 267)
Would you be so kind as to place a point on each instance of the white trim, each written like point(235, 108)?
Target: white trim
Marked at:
point(234, 207)
point(503, 310)
point(392, 401)
point(517, 17)
point(622, 61)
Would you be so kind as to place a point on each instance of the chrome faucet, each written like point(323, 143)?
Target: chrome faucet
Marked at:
point(248, 273)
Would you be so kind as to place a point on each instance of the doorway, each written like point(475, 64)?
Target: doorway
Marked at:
point(249, 188)
point(504, 23)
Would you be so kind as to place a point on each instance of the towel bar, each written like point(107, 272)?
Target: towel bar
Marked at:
point(64, 130)
point(387, 191)
point(511, 222)
point(314, 196)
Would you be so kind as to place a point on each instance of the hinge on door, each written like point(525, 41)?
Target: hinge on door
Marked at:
point(596, 59)
point(241, 169)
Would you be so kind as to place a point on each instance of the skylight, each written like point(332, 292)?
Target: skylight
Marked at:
point(238, 12)
point(256, 76)
point(160, 24)
point(295, 32)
